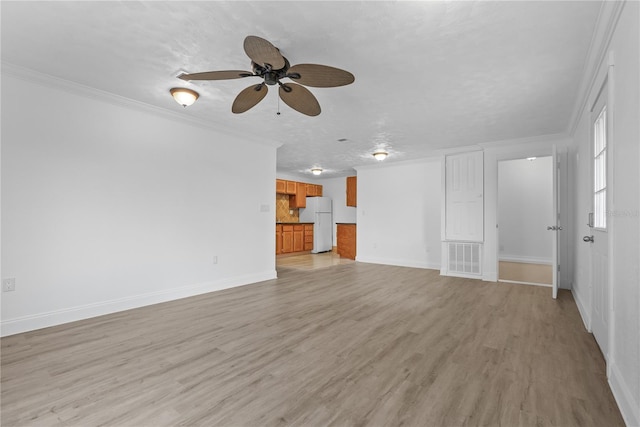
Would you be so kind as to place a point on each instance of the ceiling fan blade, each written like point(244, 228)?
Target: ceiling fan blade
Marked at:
point(249, 97)
point(315, 75)
point(262, 52)
point(299, 98)
point(216, 75)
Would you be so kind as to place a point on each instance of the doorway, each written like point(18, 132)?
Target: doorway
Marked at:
point(525, 210)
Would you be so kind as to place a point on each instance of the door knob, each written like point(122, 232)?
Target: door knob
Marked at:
point(588, 239)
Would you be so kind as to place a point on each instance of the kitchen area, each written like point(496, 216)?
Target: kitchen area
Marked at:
point(306, 217)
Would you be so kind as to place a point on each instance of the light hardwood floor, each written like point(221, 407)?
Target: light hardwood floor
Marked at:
point(311, 261)
point(526, 272)
point(355, 344)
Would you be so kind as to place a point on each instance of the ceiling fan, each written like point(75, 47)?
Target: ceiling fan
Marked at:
point(268, 64)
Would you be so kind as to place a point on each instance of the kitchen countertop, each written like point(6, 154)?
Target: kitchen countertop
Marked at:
point(293, 223)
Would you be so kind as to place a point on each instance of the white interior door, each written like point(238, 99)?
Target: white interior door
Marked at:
point(598, 222)
point(555, 228)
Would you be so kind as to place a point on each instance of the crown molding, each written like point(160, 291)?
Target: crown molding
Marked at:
point(606, 24)
point(68, 86)
point(560, 139)
point(398, 163)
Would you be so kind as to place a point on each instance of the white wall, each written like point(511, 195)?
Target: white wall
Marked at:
point(336, 189)
point(399, 214)
point(525, 209)
point(108, 206)
point(624, 211)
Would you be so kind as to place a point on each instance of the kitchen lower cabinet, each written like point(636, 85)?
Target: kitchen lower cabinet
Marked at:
point(291, 238)
point(346, 236)
point(308, 237)
point(287, 239)
point(298, 238)
point(278, 239)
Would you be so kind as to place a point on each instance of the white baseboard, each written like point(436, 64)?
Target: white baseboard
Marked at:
point(72, 314)
point(464, 276)
point(398, 262)
point(525, 259)
point(490, 276)
point(629, 408)
point(584, 313)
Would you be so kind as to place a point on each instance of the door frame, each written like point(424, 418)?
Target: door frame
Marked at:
point(554, 253)
point(605, 78)
point(538, 148)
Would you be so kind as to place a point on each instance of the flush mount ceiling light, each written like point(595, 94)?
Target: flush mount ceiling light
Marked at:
point(184, 96)
point(316, 171)
point(380, 155)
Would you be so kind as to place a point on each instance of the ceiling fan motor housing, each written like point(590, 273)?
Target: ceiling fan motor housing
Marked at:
point(270, 76)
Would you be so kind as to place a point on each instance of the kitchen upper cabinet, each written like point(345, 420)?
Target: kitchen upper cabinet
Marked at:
point(294, 188)
point(314, 190)
point(285, 187)
point(352, 196)
point(299, 199)
point(291, 187)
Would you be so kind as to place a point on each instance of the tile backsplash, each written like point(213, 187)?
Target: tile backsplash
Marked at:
point(282, 210)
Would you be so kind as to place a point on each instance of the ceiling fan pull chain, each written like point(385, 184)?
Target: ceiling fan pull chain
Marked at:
point(278, 113)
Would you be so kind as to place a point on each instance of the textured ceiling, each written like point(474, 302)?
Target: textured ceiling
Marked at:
point(429, 75)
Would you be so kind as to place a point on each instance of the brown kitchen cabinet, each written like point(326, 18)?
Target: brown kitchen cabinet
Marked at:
point(291, 187)
point(287, 239)
point(314, 190)
point(298, 238)
point(278, 239)
point(308, 237)
point(292, 238)
point(299, 199)
point(352, 195)
point(346, 236)
point(285, 187)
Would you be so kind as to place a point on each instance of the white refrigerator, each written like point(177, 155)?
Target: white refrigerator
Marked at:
point(318, 211)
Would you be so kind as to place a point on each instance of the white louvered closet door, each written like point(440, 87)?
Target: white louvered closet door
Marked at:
point(464, 193)
point(464, 213)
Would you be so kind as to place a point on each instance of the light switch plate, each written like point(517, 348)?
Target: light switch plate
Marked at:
point(9, 285)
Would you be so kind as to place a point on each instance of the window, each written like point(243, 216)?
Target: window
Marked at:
point(600, 170)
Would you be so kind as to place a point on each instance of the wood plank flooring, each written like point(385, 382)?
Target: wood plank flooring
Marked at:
point(311, 261)
point(526, 272)
point(351, 345)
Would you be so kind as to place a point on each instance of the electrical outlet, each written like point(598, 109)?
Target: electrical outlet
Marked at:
point(9, 285)
point(215, 259)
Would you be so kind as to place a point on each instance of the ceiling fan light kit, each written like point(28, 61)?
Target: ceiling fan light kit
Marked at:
point(184, 96)
point(268, 64)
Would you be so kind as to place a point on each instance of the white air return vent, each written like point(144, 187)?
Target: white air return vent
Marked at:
point(464, 258)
